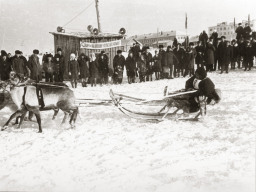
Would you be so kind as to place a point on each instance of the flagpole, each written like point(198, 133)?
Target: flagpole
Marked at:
point(186, 27)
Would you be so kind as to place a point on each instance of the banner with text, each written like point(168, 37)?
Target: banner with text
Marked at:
point(103, 45)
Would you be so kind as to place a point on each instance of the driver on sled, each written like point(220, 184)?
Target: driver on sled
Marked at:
point(204, 85)
point(199, 91)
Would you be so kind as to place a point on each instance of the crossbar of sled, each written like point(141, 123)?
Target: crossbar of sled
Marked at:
point(144, 116)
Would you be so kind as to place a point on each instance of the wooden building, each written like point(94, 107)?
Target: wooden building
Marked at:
point(85, 42)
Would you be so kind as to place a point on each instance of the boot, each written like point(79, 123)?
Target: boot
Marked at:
point(72, 84)
point(75, 84)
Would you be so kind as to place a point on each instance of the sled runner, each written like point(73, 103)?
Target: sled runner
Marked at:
point(179, 100)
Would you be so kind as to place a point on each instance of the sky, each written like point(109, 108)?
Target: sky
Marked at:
point(25, 24)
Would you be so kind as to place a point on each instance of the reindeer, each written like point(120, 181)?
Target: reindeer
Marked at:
point(36, 97)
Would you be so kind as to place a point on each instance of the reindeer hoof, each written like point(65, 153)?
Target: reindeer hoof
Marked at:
point(40, 131)
point(4, 127)
point(53, 118)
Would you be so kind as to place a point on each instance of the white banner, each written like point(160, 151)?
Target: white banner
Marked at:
point(104, 45)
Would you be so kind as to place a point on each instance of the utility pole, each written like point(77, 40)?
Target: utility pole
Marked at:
point(98, 14)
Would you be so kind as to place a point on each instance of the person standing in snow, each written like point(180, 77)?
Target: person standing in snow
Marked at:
point(59, 67)
point(103, 67)
point(73, 70)
point(93, 69)
point(35, 67)
point(48, 68)
point(118, 65)
point(130, 65)
point(83, 61)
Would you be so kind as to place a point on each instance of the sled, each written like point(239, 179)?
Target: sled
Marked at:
point(158, 116)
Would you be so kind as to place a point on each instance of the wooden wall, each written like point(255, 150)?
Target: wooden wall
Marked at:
point(72, 45)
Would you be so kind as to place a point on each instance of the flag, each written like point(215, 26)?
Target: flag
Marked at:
point(234, 23)
point(186, 22)
point(249, 19)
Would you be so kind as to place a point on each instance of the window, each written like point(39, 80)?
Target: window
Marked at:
point(224, 33)
point(220, 28)
point(224, 28)
point(210, 29)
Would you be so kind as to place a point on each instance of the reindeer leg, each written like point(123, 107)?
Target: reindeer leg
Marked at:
point(55, 113)
point(14, 115)
point(65, 117)
point(36, 111)
point(22, 118)
point(38, 118)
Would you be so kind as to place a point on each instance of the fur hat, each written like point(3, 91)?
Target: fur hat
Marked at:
point(48, 55)
point(201, 73)
point(35, 51)
point(191, 44)
point(223, 37)
point(119, 51)
point(58, 49)
point(17, 52)
point(161, 46)
point(3, 52)
point(102, 52)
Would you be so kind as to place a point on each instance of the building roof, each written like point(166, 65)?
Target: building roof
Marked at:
point(87, 34)
point(158, 35)
point(162, 42)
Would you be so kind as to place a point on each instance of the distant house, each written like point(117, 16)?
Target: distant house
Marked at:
point(164, 43)
point(194, 39)
point(127, 44)
point(151, 38)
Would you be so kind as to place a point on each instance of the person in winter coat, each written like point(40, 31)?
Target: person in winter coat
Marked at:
point(254, 46)
point(27, 70)
point(235, 51)
point(118, 65)
point(73, 70)
point(142, 68)
point(83, 61)
point(190, 60)
point(93, 69)
point(227, 55)
point(157, 65)
point(130, 65)
point(246, 32)
point(34, 66)
point(210, 49)
point(200, 51)
point(5, 67)
point(248, 57)
point(203, 37)
point(204, 85)
point(162, 56)
point(179, 66)
point(103, 67)
point(170, 60)
point(241, 52)
point(148, 57)
point(18, 64)
point(220, 52)
point(48, 68)
point(59, 67)
point(239, 32)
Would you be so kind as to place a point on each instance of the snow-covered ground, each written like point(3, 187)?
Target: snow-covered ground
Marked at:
point(108, 151)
